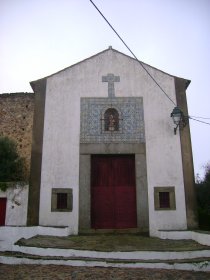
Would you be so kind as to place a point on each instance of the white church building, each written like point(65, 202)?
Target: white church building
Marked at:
point(104, 152)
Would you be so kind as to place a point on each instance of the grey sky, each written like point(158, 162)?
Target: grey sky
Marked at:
point(40, 37)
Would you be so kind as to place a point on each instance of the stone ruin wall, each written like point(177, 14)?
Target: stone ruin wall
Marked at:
point(16, 121)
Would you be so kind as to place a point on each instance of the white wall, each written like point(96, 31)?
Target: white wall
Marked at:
point(10, 234)
point(17, 203)
point(60, 164)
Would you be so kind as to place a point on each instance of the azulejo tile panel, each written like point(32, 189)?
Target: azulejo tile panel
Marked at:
point(131, 120)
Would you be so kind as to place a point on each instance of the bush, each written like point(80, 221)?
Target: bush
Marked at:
point(12, 166)
point(203, 200)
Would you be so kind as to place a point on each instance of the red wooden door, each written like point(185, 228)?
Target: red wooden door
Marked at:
point(3, 204)
point(113, 192)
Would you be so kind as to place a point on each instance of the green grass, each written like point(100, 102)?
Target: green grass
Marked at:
point(111, 242)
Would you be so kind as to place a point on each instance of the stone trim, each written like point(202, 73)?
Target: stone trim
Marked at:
point(139, 150)
point(172, 200)
point(36, 153)
point(187, 158)
point(69, 193)
point(111, 79)
point(111, 148)
point(17, 94)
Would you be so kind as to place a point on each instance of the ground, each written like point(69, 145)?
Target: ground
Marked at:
point(112, 242)
point(101, 242)
point(40, 272)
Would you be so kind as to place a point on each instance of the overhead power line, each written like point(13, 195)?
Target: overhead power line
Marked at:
point(142, 65)
point(198, 120)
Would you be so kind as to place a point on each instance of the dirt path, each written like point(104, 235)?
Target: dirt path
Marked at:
point(40, 272)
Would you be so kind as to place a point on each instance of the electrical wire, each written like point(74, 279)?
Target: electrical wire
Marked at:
point(142, 65)
point(198, 120)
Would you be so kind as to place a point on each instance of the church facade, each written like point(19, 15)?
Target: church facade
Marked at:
point(104, 153)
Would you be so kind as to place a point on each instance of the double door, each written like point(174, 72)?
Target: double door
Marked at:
point(113, 192)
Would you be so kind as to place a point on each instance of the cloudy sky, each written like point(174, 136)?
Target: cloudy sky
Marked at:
point(40, 37)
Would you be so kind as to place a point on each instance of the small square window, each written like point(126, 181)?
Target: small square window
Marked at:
point(164, 198)
point(61, 200)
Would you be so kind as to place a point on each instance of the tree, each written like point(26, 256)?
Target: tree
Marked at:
point(203, 199)
point(12, 166)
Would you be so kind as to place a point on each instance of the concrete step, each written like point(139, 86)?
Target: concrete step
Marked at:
point(118, 249)
point(194, 264)
point(113, 231)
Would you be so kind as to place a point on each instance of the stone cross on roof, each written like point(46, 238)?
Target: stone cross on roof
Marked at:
point(111, 79)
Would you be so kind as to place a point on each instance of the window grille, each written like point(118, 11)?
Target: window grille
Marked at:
point(164, 199)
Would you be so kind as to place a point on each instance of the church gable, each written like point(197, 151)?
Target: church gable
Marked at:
point(104, 57)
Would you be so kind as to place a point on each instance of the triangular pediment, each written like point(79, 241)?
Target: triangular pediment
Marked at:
point(110, 49)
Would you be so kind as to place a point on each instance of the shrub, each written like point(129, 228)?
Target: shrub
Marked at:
point(203, 200)
point(12, 166)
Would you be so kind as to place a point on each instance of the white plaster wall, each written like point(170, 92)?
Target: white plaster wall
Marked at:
point(200, 237)
point(10, 234)
point(60, 164)
point(17, 203)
